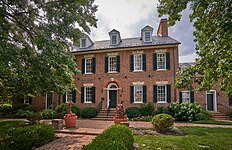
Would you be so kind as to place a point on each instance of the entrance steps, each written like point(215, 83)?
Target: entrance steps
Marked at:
point(219, 116)
point(105, 114)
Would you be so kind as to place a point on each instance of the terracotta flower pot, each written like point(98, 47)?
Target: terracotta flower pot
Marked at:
point(70, 121)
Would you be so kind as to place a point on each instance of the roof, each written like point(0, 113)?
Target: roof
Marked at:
point(186, 64)
point(128, 43)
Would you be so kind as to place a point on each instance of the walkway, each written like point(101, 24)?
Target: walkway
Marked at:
point(87, 130)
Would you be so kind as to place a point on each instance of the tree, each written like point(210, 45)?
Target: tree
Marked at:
point(35, 51)
point(213, 35)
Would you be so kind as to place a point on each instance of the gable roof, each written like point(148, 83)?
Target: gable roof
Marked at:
point(128, 43)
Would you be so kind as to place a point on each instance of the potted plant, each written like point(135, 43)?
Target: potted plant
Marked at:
point(120, 116)
point(70, 118)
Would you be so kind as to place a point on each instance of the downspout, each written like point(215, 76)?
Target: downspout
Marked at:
point(174, 73)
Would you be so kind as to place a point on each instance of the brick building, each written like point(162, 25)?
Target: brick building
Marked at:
point(133, 70)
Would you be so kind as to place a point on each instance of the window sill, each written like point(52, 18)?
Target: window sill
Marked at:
point(138, 71)
point(88, 73)
point(138, 102)
point(161, 102)
point(161, 70)
point(113, 72)
point(88, 102)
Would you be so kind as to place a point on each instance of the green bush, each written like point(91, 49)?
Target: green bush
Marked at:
point(6, 109)
point(116, 137)
point(188, 112)
point(34, 118)
point(27, 138)
point(25, 107)
point(162, 122)
point(162, 110)
point(88, 112)
point(147, 109)
point(133, 112)
point(76, 110)
point(23, 113)
point(229, 114)
point(61, 110)
point(143, 118)
point(48, 114)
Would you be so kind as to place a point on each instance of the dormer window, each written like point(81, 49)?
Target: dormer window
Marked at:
point(114, 39)
point(147, 36)
point(83, 42)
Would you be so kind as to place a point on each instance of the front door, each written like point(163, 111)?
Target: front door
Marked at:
point(210, 101)
point(49, 101)
point(113, 96)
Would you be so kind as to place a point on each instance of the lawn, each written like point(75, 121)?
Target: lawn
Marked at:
point(196, 138)
point(212, 122)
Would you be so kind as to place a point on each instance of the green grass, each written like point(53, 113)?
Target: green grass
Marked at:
point(196, 138)
point(212, 122)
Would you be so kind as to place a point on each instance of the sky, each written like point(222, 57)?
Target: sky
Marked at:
point(130, 16)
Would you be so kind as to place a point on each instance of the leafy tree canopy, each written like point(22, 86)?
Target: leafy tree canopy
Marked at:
point(213, 35)
point(35, 53)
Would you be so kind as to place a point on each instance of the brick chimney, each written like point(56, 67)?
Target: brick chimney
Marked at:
point(163, 28)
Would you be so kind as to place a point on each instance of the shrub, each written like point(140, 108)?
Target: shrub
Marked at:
point(188, 112)
point(162, 122)
point(88, 112)
point(23, 113)
point(147, 109)
point(133, 112)
point(34, 118)
point(162, 110)
point(48, 114)
point(6, 109)
point(143, 118)
point(76, 110)
point(25, 107)
point(229, 114)
point(27, 138)
point(114, 138)
point(61, 110)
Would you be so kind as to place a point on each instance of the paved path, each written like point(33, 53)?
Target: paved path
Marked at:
point(88, 129)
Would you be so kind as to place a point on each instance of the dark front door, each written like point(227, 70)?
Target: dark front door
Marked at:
point(113, 96)
point(49, 101)
point(210, 102)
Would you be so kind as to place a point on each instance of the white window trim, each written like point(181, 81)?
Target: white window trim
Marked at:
point(189, 96)
point(135, 93)
point(111, 39)
point(109, 64)
point(91, 66)
point(85, 95)
point(81, 42)
point(145, 38)
point(46, 106)
point(135, 70)
point(165, 66)
point(24, 100)
point(162, 102)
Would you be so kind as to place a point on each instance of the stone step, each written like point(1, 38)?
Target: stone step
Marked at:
point(108, 119)
point(101, 116)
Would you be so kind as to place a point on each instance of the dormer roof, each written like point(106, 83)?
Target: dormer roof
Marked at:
point(85, 41)
point(115, 38)
point(147, 30)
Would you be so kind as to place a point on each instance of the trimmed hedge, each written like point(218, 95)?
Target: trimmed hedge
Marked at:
point(116, 137)
point(88, 112)
point(76, 110)
point(147, 109)
point(133, 112)
point(162, 122)
point(48, 114)
point(27, 138)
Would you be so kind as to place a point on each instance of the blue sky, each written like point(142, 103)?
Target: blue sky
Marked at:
point(130, 16)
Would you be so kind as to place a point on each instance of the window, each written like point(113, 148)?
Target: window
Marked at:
point(83, 42)
point(185, 96)
point(138, 62)
point(147, 36)
point(161, 94)
point(69, 96)
point(26, 100)
point(112, 64)
point(138, 94)
point(161, 61)
point(113, 39)
point(88, 65)
point(88, 95)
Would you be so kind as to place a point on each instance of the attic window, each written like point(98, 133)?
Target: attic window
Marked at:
point(147, 36)
point(114, 39)
point(83, 42)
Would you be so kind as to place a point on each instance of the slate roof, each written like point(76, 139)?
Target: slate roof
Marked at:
point(186, 64)
point(128, 43)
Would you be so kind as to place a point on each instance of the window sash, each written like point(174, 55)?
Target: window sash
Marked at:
point(88, 95)
point(138, 62)
point(83, 42)
point(69, 95)
point(26, 100)
point(161, 61)
point(114, 39)
point(138, 94)
point(88, 65)
point(147, 36)
point(161, 93)
point(112, 64)
point(185, 96)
